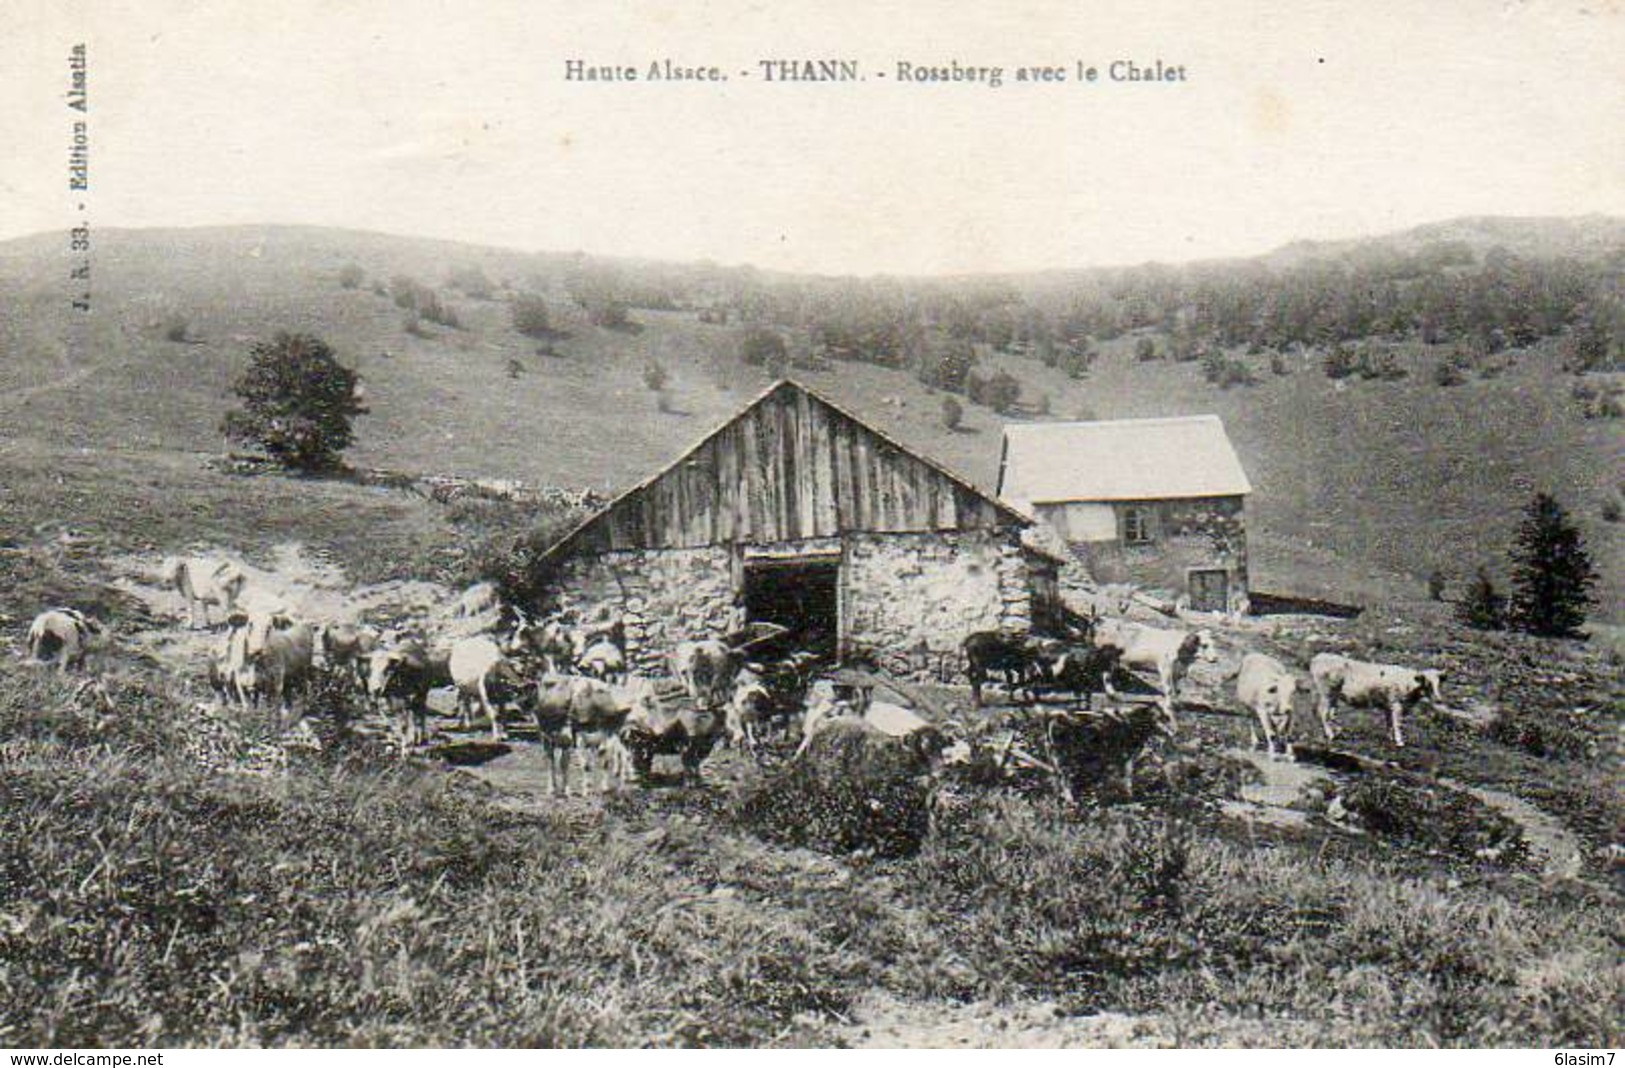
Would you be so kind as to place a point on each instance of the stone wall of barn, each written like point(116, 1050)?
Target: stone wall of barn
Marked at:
point(908, 601)
point(662, 596)
point(1194, 533)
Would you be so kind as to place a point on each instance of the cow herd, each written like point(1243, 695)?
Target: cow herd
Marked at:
point(1265, 689)
point(573, 681)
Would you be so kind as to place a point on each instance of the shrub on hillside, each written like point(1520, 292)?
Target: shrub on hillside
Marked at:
point(1145, 350)
point(953, 413)
point(351, 276)
point(1340, 363)
point(1225, 371)
point(472, 282)
point(175, 327)
point(414, 297)
point(1482, 607)
point(1448, 372)
point(530, 316)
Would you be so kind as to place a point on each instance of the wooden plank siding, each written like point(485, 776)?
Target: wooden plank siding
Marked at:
point(791, 466)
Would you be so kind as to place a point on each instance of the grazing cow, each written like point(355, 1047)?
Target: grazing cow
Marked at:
point(1266, 688)
point(203, 582)
point(1169, 653)
point(1078, 670)
point(706, 669)
point(62, 634)
point(603, 660)
point(989, 651)
point(347, 647)
point(575, 712)
point(748, 708)
point(1394, 689)
point(651, 729)
point(480, 670)
point(401, 676)
point(281, 664)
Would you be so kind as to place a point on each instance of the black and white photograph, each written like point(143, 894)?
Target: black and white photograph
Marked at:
point(739, 524)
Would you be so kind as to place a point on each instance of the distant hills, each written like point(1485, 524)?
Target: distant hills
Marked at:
point(1364, 484)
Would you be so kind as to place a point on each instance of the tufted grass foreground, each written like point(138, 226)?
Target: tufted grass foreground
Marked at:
point(349, 900)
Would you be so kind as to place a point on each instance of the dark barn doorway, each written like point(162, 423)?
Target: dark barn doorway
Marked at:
point(803, 595)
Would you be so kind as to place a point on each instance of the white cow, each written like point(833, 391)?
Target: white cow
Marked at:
point(203, 582)
point(822, 705)
point(1390, 687)
point(62, 634)
point(603, 660)
point(747, 709)
point(706, 670)
point(479, 669)
point(1169, 653)
point(1266, 688)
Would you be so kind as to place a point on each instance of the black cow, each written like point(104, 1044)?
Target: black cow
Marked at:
point(1079, 670)
point(1014, 656)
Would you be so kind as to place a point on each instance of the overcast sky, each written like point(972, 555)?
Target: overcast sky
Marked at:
point(453, 119)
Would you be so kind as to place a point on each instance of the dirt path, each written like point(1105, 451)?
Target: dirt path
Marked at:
point(883, 1022)
point(1558, 850)
point(299, 582)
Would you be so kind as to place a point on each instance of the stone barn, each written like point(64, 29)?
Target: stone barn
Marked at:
point(1159, 503)
point(798, 513)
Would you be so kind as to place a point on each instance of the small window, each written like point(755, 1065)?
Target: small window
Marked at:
point(1139, 526)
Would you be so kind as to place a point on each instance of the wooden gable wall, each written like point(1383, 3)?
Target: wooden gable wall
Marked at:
point(788, 468)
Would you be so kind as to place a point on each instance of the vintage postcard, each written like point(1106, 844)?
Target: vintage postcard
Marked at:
point(739, 523)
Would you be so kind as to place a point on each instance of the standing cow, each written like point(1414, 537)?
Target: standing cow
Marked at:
point(706, 670)
point(1011, 655)
point(483, 674)
point(203, 582)
point(1394, 689)
point(1267, 689)
point(1169, 653)
point(401, 676)
point(347, 648)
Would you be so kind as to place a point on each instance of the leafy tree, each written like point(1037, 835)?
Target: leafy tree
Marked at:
point(947, 366)
point(351, 276)
point(1145, 350)
point(1000, 392)
point(953, 413)
point(655, 376)
point(298, 402)
point(1552, 574)
point(530, 315)
point(1484, 607)
point(762, 347)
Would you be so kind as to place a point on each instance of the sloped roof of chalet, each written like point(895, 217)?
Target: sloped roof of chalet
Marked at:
point(1119, 460)
point(558, 548)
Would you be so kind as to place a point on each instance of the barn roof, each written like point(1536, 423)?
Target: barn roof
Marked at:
point(1119, 460)
point(713, 491)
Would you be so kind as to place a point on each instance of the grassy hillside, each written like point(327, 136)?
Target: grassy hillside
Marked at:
point(1362, 487)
